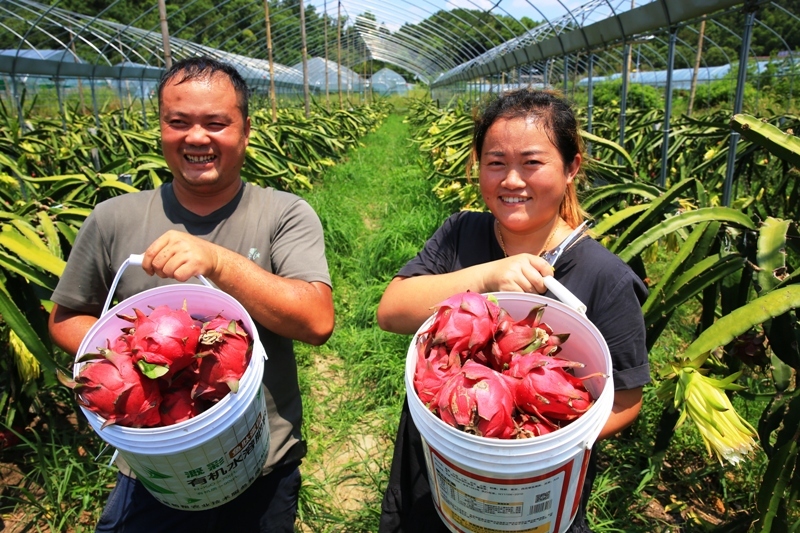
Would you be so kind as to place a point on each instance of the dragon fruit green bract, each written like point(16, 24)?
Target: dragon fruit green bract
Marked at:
point(484, 373)
point(164, 369)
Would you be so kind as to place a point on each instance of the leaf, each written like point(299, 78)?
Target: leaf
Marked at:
point(771, 256)
point(658, 209)
point(784, 145)
point(35, 256)
point(17, 321)
point(614, 147)
point(744, 318)
point(773, 485)
point(687, 218)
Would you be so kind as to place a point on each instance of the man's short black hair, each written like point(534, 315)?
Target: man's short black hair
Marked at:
point(194, 68)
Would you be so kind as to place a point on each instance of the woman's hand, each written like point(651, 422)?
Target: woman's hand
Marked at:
point(408, 302)
point(518, 273)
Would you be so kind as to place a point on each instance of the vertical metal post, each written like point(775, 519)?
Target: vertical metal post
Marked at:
point(304, 54)
point(737, 104)
point(162, 14)
point(273, 100)
point(545, 79)
point(17, 101)
point(144, 108)
point(94, 103)
point(325, 37)
point(590, 105)
point(673, 37)
point(566, 75)
point(121, 103)
point(339, 52)
point(623, 101)
point(57, 81)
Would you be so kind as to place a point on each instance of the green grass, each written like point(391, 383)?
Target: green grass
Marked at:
point(376, 209)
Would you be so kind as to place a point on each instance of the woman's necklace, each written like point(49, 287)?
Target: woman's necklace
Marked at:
point(503, 244)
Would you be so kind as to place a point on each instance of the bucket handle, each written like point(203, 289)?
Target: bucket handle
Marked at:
point(134, 259)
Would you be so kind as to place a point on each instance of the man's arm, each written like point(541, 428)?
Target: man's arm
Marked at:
point(291, 308)
point(68, 327)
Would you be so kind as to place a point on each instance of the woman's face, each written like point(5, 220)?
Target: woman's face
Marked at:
point(522, 177)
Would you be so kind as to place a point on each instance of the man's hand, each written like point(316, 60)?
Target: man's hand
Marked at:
point(181, 256)
point(292, 308)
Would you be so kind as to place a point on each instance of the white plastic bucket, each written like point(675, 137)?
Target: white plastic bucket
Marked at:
point(529, 485)
point(207, 460)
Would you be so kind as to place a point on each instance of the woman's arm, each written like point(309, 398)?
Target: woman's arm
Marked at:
point(627, 404)
point(408, 302)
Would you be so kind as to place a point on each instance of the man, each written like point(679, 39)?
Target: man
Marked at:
point(263, 247)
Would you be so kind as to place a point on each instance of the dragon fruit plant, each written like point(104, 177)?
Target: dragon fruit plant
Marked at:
point(484, 373)
point(167, 367)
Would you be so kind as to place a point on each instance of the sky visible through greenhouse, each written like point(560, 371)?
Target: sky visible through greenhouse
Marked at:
point(393, 13)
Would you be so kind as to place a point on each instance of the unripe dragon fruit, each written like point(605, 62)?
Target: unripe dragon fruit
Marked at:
point(178, 405)
point(110, 385)
point(477, 400)
point(465, 323)
point(164, 341)
point(224, 351)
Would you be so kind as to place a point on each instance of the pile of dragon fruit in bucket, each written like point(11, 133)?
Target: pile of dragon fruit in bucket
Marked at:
point(165, 368)
point(486, 374)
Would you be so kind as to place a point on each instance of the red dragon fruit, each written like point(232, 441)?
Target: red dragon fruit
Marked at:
point(110, 385)
point(163, 342)
point(465, 323)
point(477, 400)
point(178, 405)
point(432, 371)
point(527, 426)
point(224, 351)
point(547, 390)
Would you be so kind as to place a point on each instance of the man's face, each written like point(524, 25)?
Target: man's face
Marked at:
point(203, 135)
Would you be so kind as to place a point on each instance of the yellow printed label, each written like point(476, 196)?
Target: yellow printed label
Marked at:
point(476, 528)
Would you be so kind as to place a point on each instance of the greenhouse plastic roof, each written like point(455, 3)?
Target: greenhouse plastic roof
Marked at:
point(439, 53)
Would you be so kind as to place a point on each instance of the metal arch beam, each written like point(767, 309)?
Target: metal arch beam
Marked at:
point(404, 30)
point(379, 38)
point(420, 46)
point(643, 19)
point(460, 19)
point(455, 37)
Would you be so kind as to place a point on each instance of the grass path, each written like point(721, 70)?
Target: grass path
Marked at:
point(376, 208)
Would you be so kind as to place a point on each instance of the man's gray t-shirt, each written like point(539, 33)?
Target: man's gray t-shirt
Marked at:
point(277, 230)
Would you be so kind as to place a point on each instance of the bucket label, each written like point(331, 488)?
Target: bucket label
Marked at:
point(481, 504)
point(212, 474)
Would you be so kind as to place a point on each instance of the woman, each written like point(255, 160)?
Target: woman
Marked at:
point(529, 151)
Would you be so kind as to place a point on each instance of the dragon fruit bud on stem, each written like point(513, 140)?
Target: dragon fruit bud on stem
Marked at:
point(110, 385)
